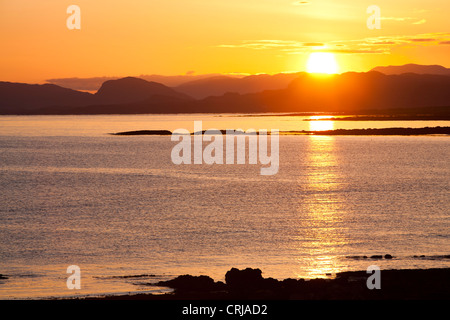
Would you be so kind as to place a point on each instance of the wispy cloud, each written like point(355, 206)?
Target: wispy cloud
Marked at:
point(262, 44)
point(374, 45)
point(420, 21)
point(359, 51)
point(272, 44)
point(397, 18)
point(313, 44)
point(422, 40)
point(384, 42)
point(403, 19)
point(301, 3)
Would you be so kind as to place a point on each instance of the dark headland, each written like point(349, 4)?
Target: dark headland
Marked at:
point(249, 284)
point(144, 133)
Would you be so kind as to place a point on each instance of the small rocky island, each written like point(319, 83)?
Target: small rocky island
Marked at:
point(144, 133)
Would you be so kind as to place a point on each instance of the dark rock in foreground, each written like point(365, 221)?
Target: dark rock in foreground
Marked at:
point(187, 283)
point(248, 284)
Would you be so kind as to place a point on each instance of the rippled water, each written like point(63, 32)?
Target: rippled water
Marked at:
point(126, 215)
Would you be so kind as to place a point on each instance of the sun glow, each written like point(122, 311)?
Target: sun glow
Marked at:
point(322, 62)
point(321, 125)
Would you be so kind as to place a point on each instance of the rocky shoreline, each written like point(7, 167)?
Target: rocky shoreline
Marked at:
point(248, 284)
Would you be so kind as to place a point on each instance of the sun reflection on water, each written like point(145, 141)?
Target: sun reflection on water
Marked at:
point(322, 211)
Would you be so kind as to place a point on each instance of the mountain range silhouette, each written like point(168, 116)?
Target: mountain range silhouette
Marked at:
point(414, 68)
point(295, 92)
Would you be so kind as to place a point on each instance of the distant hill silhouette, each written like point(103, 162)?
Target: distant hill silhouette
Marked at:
point(358, 91)
point(157, 104)
point(94, 83)
point(197, 86)
point(348, 92)
point(25, 97)
point(129, 90)
point(219, 85)
point(48, 98)
point(413, 68)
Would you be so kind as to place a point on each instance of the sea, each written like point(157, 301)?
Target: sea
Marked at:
point(119, 209)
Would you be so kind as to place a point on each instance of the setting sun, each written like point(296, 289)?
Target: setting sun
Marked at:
point(322, 62)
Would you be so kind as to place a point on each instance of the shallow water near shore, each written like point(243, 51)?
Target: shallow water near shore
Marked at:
point(127, 216)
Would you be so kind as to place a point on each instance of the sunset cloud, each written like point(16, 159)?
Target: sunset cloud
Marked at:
point(359, 51)
point(397, 18)
point(422, 40)
point(420, 21)
point(264, 44)
point(301, 3)
point(375, 45)
point(384, 42)
point(403, 19)
point(313, 44)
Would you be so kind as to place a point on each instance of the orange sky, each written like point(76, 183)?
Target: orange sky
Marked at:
point(134, 37)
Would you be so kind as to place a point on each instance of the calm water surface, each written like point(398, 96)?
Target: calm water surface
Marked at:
point(122, 211)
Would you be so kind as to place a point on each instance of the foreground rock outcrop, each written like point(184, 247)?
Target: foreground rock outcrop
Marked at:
point(249, 284)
